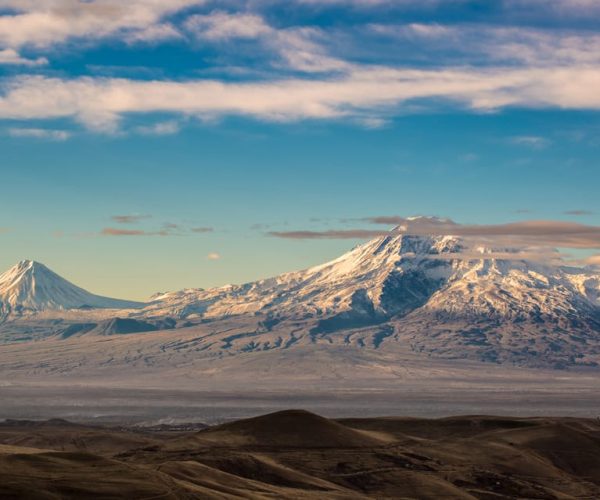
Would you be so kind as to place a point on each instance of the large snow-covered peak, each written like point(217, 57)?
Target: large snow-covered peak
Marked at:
point(396, 273)
point(30, 286)
point(370, 273)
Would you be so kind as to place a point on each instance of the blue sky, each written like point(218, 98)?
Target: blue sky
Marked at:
point(148, 148)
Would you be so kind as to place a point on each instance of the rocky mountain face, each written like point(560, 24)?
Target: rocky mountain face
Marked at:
point(434, 295)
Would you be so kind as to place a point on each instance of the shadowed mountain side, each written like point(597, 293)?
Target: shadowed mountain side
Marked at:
point(121, 326)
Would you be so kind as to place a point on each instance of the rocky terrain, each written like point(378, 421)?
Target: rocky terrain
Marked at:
point(297, 454)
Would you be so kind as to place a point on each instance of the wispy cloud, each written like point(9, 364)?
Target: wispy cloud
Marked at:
point(226, 26)
point(469, 157)
point(579, 212)
point(154, 33)
point(487, 45)
point(111, 231)
point(307, 72)
point(43, 23)
point(130, 218)
point(213, 256)
point(373, 3)
point(297, 48)
point(100, 103)
point(545, 8)
point(531, 141)
point(162, 128)
point(332, 234)
point(534, 233)
point(40, 133)
point(166, 229)
point(11, 56)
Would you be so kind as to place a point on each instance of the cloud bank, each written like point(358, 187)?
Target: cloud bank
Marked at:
point(99, 103)
point(305, 71)
point(534, 233)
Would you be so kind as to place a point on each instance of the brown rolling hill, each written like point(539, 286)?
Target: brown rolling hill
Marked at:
point(296, 454)
point(292, 429)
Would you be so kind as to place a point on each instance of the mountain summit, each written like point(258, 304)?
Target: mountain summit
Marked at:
point(395, 274)
point(30, 287)
point(442, 295)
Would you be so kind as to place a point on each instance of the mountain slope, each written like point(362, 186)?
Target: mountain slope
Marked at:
point(439, 295)
point(387, 275)
point(31, 287)
point(393, 275)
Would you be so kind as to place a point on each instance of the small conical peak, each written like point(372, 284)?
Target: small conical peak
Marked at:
point(23, 270)
point(26, 265)
point(30, 285)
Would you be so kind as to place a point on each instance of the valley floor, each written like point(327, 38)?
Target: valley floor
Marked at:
point(564, 395)
point(331, 381)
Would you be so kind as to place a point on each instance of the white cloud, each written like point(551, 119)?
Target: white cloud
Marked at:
point(556, 7)
point(160, 128)
point(99, 103)
point(428, 30)
point(225, 26)
point(295, 46)
point(42, 23)
point(11, 56)
point(306, 48)
point(417, 4)
point(300, 51)
point(154, 33)
point(40, 133)
point(485, 44)
point(213, 256)
point(574, 8)
point(373, 122)
point(531, 141)
point(561, 71)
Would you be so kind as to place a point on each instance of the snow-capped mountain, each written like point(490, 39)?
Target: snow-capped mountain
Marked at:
point(387, 275)
point(441, 296)
point(31, 287)
point(394, 274)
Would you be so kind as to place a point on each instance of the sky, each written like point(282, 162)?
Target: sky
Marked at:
point(148, 146)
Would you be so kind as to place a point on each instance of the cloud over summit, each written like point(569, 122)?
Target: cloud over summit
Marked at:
point(532, 233)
